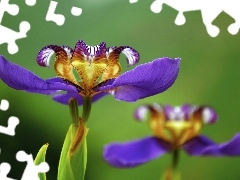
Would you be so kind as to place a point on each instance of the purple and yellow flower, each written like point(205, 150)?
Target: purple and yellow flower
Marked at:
point(98, 73)
point(173, 128)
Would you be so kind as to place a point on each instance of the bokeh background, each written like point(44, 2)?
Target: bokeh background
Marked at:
point(209, 75)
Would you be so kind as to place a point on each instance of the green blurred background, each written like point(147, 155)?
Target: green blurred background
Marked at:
point(209, 75)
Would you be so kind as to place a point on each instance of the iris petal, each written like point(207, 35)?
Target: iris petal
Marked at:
point(145, 80)
point(134, 153)
point(44, 55)
point(203, 146)
point(131, 54)
point(20, 78)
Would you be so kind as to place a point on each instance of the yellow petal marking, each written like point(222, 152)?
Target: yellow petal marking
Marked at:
point(89, 71)
point(114, 68)
point(176, 132)
point(62, 65)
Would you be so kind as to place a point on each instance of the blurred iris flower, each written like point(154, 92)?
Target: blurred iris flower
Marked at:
point(173, 128)
point(98, 73)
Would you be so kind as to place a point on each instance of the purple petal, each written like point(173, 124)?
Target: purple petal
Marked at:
point(20, 78)
point(145, 80)
point(202, 146)
point(82, 48)
point(64, 98)
point(134, 153)
point(178, 112)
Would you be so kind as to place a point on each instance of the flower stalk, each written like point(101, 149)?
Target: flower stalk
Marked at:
point(175, 158)
point(87, 104)
point(73, 159)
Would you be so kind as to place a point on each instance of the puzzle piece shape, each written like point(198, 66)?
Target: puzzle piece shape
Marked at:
point(31, 171)
point(76, 11)
point(10, 130)
point(30, 2)
point(4, 105)
point(133, 1)
point(4, 170)
point(59, 19)
point(12, 9)
point(12, 121)
point(8, 35)
point(209, 10)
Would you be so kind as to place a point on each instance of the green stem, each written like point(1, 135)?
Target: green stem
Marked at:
point(73, 159)
point(87, 104)
point(175, 159)
point(73, 107)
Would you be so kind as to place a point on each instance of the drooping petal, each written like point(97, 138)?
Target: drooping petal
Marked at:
point(141, 113)
point(132, 56)
point(145, 80)
point(209, 115)
point(64, 98)
point(44, 55)
point(20, 78)
point(155, 110)
point(134, 153)
point(62, 65)
point(203, 146)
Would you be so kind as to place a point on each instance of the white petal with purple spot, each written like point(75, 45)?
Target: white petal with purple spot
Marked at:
point(44, 56)
point(132, 55)
point(209, 116)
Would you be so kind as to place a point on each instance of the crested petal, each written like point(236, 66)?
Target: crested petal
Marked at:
point(145, 80)
point(209, 115)
point(132, 56)
point(203, 146)
point(134, 153)
point(82, 50)
point(64, 98)
point(178, 112)
point(142, 112)
point(44, 55)
point(20, 78)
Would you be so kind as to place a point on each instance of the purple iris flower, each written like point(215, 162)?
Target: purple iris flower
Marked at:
point(173, 128)
point(98, 73)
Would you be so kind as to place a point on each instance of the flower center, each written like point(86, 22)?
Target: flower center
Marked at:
point(94, 65)
point(91, 63)
point(176, 125)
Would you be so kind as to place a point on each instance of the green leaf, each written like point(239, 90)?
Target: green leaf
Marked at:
point(41, 158)
point(73, 159)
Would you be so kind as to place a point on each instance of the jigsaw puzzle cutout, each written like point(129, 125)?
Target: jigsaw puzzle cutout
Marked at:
point(30, 2)
point(8, 35)
point(59, 19)
point(4, 170)
point(31, 170)
point(209, 10)
point(12, 121)
point(4, 105)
